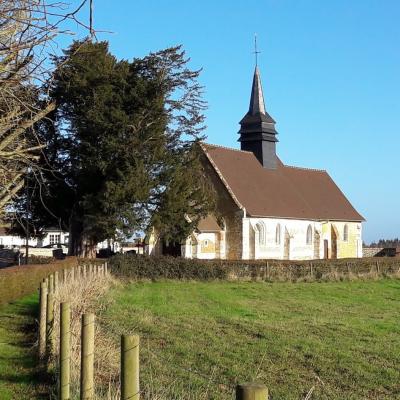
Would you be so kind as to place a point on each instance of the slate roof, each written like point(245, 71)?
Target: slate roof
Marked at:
point(287, 192)
point(257, 119)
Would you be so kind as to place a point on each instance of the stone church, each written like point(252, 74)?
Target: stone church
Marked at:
point(269, 210)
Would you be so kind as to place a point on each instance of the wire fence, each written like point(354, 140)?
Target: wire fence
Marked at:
point(129, 387)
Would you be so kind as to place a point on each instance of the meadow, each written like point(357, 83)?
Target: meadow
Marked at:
point(331, 340)
point(304, 340)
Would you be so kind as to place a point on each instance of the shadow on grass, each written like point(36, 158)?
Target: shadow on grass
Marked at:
point(20, 371)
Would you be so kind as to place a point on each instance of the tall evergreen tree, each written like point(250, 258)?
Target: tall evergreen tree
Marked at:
point(122, 146)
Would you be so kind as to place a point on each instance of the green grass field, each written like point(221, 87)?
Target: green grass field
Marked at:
point(199, 339)
point(19, 377)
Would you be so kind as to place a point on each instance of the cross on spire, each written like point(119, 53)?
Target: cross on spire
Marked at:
point(256, 52)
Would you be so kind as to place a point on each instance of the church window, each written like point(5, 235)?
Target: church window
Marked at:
point(262, 234)
point(309, 235)
point(278, 234)
point(346, 233)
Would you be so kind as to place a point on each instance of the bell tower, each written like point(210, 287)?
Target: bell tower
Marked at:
point(257, 128)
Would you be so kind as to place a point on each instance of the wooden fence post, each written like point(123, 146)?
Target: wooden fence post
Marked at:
point(251, 391)
point(65, 340)
point(50, 323)
point(106, 268)
point(64, 276)
point(87, 357)
point(51, 283)
point(42, 319)
point(130, 367)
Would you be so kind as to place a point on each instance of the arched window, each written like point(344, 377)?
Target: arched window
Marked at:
point(309, 235)
point(278, 234)
point(262, 234)
point(346, 233)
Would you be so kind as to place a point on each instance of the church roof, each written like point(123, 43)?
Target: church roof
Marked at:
point(208, 224)
point(286, 192)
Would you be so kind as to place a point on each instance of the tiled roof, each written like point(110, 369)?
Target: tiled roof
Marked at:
point(286, 192)
point(208, 224)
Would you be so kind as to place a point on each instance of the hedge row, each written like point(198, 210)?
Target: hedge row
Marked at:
point(164, 267)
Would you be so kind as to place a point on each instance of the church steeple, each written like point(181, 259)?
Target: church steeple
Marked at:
point(257, 128)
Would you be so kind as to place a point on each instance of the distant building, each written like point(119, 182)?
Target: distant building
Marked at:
point(53, 236)
point(13, 241)
point(50, 237)
point(267, 209)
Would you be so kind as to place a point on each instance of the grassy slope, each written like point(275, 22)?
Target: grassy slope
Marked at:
point(343, 338)
point(18, 372)
point(19, 281)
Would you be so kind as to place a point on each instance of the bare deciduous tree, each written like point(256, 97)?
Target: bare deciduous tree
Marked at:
point(27, 31)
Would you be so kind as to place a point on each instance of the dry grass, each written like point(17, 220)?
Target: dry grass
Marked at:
point(88, 295)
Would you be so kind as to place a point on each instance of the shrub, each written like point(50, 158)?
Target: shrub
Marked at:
point(166, 267)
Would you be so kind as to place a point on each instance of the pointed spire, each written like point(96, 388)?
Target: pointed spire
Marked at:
point(257, 98)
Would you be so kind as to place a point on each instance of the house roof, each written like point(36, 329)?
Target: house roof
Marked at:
point(286, 192)
point(208, 224)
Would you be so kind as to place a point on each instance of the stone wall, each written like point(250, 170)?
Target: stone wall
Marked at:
point(229, 213)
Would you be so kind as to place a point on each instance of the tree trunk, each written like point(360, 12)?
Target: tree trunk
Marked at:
point(75, 237)
point(88, 247)
point(79, 244)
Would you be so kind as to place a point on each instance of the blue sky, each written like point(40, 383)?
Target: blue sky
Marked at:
point(331, 79)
